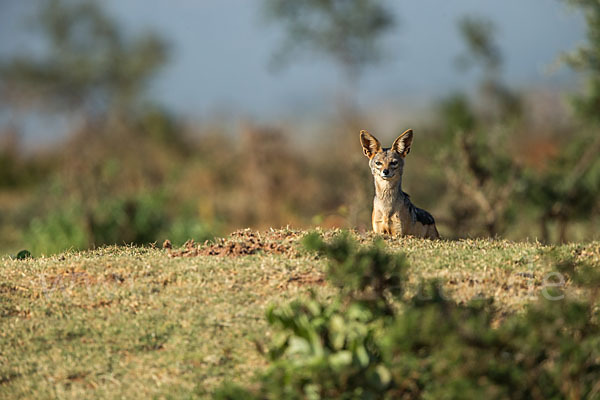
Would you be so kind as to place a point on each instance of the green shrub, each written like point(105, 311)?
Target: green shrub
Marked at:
point(141, 218)
point(183, 229)
point(371, 341)
point(369, 276)
point(57, 231)
point(134, 219)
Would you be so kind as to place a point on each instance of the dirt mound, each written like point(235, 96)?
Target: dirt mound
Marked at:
point(241, 243)
point(247, 242)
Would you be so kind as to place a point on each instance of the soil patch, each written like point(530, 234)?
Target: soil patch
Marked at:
point(245, 242)
point(242, 243)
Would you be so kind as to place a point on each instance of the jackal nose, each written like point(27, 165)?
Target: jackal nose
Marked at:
point(386, 171)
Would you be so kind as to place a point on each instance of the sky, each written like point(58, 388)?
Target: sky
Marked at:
point(221, 52)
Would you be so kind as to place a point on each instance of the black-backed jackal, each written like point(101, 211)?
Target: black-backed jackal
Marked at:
point(393, 212)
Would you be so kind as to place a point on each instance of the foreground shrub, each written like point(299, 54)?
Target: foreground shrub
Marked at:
point(370, 341)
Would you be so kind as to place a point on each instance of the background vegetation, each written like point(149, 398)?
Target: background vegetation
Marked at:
point(134, 172)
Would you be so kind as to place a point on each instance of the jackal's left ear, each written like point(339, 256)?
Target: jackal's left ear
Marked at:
point(403, 142)
point(369, 143)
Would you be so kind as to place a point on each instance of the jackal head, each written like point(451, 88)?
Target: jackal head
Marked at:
point(386, 164)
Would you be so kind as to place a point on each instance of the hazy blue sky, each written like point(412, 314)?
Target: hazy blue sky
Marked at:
point(222, 48)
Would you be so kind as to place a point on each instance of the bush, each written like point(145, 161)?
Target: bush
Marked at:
point(371, 341)
point(183, 229)
point(57, 231)
point(140, 218)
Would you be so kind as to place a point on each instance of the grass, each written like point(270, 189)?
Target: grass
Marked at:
point(130, 322)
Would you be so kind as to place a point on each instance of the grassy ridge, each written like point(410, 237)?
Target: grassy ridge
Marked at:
point(135, 322)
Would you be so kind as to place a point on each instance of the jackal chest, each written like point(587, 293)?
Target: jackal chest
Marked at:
point(390, 222)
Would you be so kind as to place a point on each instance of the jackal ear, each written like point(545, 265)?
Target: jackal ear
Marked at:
point(403, 142)
point(369, 144)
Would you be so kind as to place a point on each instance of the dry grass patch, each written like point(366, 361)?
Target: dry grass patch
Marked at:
point(134, 322)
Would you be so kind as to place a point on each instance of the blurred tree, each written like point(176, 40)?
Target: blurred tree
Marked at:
point(347, 31)
point(569, 188)
point(107, 185)
point(586, 60)
point(477, 163)
point(479, 34)
point(499, 101)
point(88, 66)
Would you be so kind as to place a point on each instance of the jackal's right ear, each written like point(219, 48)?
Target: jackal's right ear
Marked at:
point(369, 144)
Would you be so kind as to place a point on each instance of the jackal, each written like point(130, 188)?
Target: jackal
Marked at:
point(393, 212)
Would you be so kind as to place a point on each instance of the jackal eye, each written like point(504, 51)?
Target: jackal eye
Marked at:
point(394, 163)
point(378, 163)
